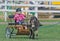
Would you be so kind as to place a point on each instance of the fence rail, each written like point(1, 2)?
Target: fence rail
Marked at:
point(29, 5)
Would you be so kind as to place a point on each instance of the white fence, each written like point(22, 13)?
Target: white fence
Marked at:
point(35, 5)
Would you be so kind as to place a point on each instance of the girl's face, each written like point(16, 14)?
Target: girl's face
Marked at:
point(19, 12)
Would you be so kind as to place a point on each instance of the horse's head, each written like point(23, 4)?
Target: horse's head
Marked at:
point(32, 22)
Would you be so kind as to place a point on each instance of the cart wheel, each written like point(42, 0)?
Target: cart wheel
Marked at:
point(8, 33)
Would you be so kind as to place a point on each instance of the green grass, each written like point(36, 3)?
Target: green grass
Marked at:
point(50, 20)
point(1, 13)
point(46, 33)
point(1, 20)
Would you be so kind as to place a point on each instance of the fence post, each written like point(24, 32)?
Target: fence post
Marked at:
point(5, 10)
point(36, 13)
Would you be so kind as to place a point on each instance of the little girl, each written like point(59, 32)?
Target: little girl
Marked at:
point(19, 17)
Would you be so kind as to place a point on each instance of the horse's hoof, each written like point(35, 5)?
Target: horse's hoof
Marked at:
point(36, 34)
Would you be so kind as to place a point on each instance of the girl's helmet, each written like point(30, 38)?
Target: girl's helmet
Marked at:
point(18, 10)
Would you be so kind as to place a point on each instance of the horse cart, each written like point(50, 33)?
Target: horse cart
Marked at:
point(24, 29)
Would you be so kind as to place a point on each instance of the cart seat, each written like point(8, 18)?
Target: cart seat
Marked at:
point(13, 24)
point(17, 23)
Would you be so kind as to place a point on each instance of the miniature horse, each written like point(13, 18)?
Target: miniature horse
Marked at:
point(34, 25)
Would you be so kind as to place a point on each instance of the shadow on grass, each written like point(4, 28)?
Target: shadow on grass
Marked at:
point(36, 38)
point(24, 37)
point(20, 37)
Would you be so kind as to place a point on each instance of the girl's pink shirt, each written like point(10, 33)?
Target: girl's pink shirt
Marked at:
point(19, 17)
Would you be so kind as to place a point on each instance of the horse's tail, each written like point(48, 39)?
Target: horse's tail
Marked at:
point(39, 23)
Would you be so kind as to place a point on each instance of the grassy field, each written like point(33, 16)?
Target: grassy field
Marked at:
point(46, 33)
point(1, 20)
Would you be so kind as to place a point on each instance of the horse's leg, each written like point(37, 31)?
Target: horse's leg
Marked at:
point(30, 33)
point(36, 32)
point(12, 30)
